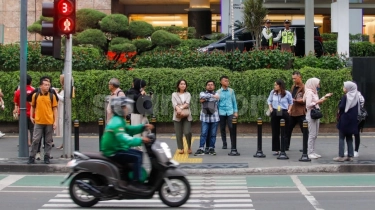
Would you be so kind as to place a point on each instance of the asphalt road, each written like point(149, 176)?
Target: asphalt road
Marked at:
point(307, 192)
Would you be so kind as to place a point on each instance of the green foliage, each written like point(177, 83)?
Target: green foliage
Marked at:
point(94, 37)
point(361, 49)
point(329, 37)
point(252, 89)
point(193, 44)
point(124, 47)
point(254, 14)
point(35, 28)
point(120, 40)
point(114, 24)
point(165, 39)
point(330, 47)
point(191, 32)
point(327, 62)
point(217, 36)
point(142, 44)
point(236, 60)
point(182, 32)
point(140, 29)
point(88, 19)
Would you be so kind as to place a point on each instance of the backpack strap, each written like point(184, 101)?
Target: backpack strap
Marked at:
point(51, 97)
point(119, 92)
point(36, 97)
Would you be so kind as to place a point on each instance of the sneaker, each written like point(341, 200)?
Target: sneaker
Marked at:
point(199, 152)
point(31, 160)
point(356, 154)
point(346, 153)
point(46, 159)
point(225, 146)
point(212, 151)
point(2, 134)
point(339, 159)
point(312, 156)
point(317, 155)
point(350, 159)
point(206, 151)
point(37, 156)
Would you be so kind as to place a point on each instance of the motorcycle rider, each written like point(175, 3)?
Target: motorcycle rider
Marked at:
point(118, 138)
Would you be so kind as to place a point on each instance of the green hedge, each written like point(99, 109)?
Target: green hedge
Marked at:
point(252, 89)
point(361, 49)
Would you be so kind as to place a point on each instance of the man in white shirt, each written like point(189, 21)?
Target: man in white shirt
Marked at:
point(267, 36)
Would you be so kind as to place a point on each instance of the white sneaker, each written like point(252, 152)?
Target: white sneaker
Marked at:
point(317, 155)
point(2, 134)
point(346, 153)
point(356, 154)
point(37, 156)
point(312, 156)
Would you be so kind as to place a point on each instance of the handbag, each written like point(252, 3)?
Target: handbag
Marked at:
point(362, 114)
point(316, 113)
point(184, 113)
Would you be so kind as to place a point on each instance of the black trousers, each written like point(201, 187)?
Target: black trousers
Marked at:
point(275, 125)
point(224, 120)
point(293, 120)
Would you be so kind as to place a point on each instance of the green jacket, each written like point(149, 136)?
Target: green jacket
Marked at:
point(118, 136)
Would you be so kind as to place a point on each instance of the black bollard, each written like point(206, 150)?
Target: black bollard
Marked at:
point(305, 157)
point(259, 153)
point(76, 135)
point(233, 151)
point(282, 155)
point(101, 129)
point(153, 122)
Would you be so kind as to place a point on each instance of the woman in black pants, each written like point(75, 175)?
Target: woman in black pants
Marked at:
point(280, 102)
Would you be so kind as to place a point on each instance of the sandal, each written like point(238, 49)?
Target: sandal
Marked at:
point(181, 151)
point(189, 151)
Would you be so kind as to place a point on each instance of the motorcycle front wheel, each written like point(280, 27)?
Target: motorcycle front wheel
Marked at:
point(80, 197)
point(179, 196)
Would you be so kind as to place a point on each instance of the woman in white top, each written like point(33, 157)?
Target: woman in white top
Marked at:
point(312, 100)
point(60, 110)
point(182, 125)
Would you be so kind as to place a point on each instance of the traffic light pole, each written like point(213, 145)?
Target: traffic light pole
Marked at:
point(23, 150)
point(67, 135)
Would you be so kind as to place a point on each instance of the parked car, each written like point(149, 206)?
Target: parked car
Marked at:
point(246, 37)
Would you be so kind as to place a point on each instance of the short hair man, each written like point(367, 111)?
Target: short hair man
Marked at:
point(114, 87)
point(298, 110)
point(287, 36)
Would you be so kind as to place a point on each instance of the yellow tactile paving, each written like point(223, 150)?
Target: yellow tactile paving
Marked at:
point(184, 158)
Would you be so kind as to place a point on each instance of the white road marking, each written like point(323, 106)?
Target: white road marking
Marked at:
point(9, 180)
point(306, 193)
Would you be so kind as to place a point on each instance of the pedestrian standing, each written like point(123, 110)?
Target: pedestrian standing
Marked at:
point(209, 117)
point(182, 116)
point(227, 110)
point(288, 36)
point(2, 106)
point(349, 107)
point(44, 105)
point(267, 36)
point(279, 103)
point(114, 88)
point(298, 110)
point(311, 98)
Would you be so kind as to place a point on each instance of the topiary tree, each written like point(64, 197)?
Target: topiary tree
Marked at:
point(36, 27)
point(120, 40)
point(88, 19)
point(122, 48)
point(140, 29)
point(114, 24)
point(142, 45)
point(94, 37)
point(165, 39)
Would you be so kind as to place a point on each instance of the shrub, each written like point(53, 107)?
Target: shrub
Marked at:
point(88, 19)
point(120, 40)
point(140, 29)
point(251, 87)
point(329, 37)
point(193, 44)
point(142, 44)
point(92, 36)
point(165, 39)
point(327, 62)
point(123, 47)
point(114, 23)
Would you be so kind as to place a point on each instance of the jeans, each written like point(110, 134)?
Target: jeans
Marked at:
point(130, 156)
point(224, 120)
point(349, 142)
point(208, 129)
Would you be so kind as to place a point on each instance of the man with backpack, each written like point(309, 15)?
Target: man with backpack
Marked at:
point(227, 110)
point(209, 117)
point(44, 106)
point(114, 87)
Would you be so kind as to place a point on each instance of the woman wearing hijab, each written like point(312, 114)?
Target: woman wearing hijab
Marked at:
point(311, 98)
point(347, 121)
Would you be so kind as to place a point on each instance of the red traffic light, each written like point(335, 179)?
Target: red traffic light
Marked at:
point(65, 7)
point(66, 25)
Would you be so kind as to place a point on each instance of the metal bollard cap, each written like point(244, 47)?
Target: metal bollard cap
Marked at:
point(282, 122)
point(305, 124)
point(259, 121)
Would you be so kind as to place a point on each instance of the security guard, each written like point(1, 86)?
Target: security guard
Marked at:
point(288, 36)
point(267, 36)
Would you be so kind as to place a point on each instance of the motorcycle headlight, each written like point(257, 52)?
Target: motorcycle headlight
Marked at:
point(166, 149)
point(71, 164)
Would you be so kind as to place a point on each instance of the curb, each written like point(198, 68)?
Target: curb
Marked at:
point(344, 168)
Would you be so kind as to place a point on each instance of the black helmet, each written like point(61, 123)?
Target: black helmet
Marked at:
point(118, 103)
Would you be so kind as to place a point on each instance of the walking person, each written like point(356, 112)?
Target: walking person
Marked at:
point(349, 107)
point(279, 103)
point(311, 98)
point(17, 102)
point(298, 110)
point(114, 87)
point(45, 111)
point(209, 117)
point(267, 36)
point(227, 110)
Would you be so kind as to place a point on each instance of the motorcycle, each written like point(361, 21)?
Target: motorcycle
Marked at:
point(97, 178)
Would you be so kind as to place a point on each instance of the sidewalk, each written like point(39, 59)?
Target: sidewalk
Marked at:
point(327, 146)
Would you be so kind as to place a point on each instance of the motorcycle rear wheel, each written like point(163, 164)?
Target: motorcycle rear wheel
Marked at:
point(178, 198)
point(80, 197)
